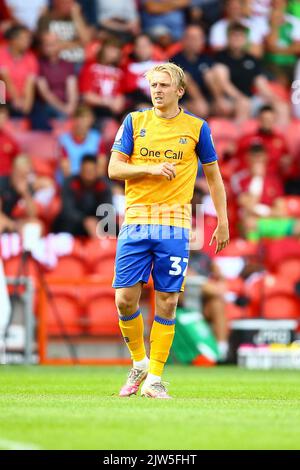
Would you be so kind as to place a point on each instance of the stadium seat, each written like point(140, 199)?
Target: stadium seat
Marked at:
point(99, 256)
point(13, 267)
point(279, 300)
point(240, 247)
point(222, 146)
point(16, 125)
point(292, 134)
point(68, 267)
point(291, 205)
point(101, 314)
point(289, 269)
point(278, 250)
point(68, 308)
point(248, 127)
point(60, 127)
point(223, 129)
point(281, 306)
point(39, 143)
point(235, 312)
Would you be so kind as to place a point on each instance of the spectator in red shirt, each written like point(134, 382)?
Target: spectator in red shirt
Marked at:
point(256, 190)
point(9, 148)
point(56, 85)
point(279, 160)
point(135, 84)
point(18, 69)
point(262, 210)
point(101, 82)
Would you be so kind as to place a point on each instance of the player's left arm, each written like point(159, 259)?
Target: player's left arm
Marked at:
point(218, 195)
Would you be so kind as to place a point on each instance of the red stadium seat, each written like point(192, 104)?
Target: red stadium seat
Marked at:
point(13, 267)
point(235, 312)
point(60, 127)
point(292, 134)
point(248, 127)
point(289, 269)
point(240, 247)
point(281, 306)
point(39, 143)
point(278, 250)
point(279, 299)
point(68, 267)
point(291, 205)
point(101, 314)
point(17, 125)
point(99, 256)
point(223, 129)
point(69, 318)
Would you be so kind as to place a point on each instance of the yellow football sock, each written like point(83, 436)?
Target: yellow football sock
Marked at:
point(161, 339)
point(132, 328)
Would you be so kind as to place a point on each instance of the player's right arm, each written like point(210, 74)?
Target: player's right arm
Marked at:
point(120, 169)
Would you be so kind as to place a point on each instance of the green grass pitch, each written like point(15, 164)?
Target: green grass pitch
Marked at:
point(216, 408)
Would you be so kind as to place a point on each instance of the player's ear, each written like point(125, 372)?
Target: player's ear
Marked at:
point(180, 92)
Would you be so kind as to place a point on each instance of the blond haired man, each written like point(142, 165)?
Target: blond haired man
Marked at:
point(156, 152)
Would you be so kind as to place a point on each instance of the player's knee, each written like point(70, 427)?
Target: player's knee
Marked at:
point(126, 304)
point(167, 305)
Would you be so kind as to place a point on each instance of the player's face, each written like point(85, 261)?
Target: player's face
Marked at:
point(164, 93)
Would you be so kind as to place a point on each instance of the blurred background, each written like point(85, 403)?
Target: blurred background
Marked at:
point(71, 70)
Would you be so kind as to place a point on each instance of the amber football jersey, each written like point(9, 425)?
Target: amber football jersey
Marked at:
point(147, 139)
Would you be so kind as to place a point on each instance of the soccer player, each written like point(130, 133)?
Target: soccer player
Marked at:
point(156, 152)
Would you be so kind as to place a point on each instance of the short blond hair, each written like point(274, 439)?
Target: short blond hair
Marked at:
point(176, 73)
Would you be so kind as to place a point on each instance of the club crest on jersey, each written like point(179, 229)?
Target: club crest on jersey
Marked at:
point(183, 140)
point(142, 132)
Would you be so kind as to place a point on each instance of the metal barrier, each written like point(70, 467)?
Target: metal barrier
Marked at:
point(29, 319)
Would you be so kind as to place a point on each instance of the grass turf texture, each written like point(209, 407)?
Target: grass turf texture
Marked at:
point(217, 408)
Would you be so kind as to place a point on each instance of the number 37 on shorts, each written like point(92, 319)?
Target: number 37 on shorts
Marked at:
point(138, 257)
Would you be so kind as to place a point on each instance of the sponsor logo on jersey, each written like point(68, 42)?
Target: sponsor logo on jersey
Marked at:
point(145, 152)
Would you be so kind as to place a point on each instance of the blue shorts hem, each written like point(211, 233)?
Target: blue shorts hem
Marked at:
point(168, 290)
point(115, 286)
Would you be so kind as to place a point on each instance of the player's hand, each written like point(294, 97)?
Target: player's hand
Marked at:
point(221, 237)
point(163, 169)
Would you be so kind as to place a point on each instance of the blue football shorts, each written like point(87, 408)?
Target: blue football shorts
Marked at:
point(159, 250)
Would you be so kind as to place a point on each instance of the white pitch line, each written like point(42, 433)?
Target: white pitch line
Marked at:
point(14, 445)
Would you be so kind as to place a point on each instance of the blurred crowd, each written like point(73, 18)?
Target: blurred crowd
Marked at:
point(71, 70)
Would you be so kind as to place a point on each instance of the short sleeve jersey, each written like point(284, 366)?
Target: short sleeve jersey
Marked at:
point(147, 139)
